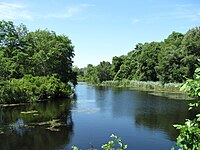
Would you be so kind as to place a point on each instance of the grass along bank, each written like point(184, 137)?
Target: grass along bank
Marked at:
point(169, 90)
point(142, 85)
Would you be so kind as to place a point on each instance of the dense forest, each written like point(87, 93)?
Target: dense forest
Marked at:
point(34, 65)
point(170, 61)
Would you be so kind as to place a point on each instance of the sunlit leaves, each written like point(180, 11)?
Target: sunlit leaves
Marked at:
point(114, 144)
point(31, 89)
point(189, 137)
point(39, 53)
point(43, 55)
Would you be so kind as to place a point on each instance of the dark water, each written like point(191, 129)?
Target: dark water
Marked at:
point(142, 120)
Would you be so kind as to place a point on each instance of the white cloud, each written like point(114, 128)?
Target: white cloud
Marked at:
point(134, 21)
point(69, 11)
point(13, 11)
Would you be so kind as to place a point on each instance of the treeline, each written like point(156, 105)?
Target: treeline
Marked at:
point(170, 61)
point(37, 60)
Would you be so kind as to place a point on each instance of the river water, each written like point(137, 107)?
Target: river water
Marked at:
point(143, 121)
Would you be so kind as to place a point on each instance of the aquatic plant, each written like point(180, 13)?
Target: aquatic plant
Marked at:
point(114, 144)
point(146, 85)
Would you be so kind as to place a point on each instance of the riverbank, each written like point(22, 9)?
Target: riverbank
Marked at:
point(169, 90)
point(142, 85)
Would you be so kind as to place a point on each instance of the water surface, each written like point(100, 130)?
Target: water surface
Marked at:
point(142, 120)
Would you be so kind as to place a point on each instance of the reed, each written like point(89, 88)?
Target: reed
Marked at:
point(144, 85)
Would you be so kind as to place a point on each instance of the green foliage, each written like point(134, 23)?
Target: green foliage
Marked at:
point(75, 148)
point(143, 85)
point(191, 50)
point(169, 61)
point(111, 145)
point(12, 45)
point(115, 144)
point(189, 137)
point(116, 63)
point(31, 89)
point(192, 86)
point(95, 74)
point(50, 54)
point(170, 67)
point(147, 60)
point(39, 53)
point(103, 72)
point(42, 54)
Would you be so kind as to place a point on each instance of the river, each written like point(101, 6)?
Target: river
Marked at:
point(143, 121)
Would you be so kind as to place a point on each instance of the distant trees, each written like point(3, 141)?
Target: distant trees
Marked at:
point(98, 74)
point(103, 71)
point(39, 53)
point(171, 60)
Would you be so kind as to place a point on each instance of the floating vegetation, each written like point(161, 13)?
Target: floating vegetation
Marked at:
point(86, 110)
point(35, 114)
point(180, 96)
point(30, 112)
point(11, 105)
point(1, 131)
point(53, 125)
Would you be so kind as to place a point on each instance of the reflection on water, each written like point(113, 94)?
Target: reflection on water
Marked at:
point(153, 112)
point(142, 120)
point(18, 127)
point(23, 130)
point(178, 96)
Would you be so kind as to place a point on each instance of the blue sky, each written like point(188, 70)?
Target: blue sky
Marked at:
point(101, 29)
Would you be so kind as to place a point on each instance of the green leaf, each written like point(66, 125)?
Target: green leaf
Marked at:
point(197, 70)
point(198, 117)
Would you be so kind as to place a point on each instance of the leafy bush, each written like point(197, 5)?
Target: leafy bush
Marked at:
point(111, 145)
point(31, 89)
point(189, 137)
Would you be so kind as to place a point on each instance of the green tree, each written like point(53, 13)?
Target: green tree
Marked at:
point(170, 67)
point(12, 49)
point(103, 72)
point(39, 53)
point(129, 66)
point(147, 61)
point(168, 61)
point(116, 63)
point(51, 54)
point(191, 50)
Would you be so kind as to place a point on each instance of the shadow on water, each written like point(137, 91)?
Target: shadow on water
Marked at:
point(26, 127)
point(146, 110)
point(161, 113)
point(144, 121)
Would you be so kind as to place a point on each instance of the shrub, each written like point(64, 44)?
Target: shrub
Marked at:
point(31, 89)
point(115, 144)
point(189, 137)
